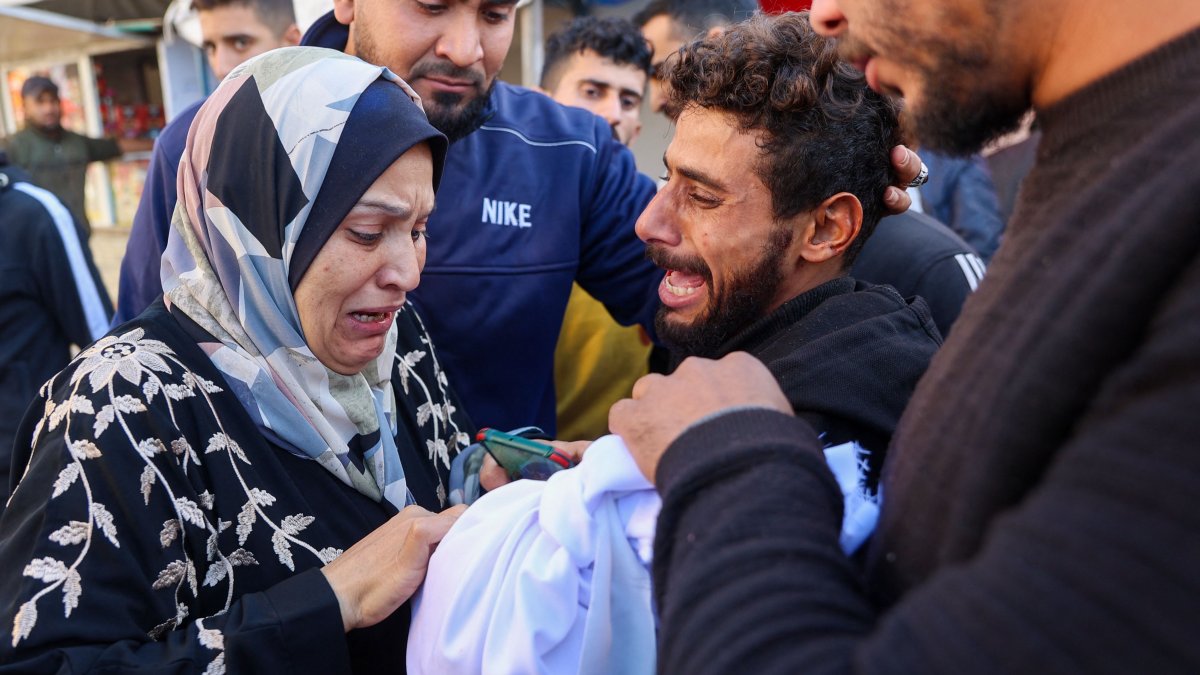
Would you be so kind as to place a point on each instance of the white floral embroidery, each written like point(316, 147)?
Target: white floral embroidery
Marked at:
point(447, 439)
point(151, 368)
point(128, 356)
point(212, 638)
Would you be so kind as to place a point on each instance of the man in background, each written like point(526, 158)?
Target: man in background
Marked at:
point(57, 158)
point(600, 65)
point(670, 24)
point(51, 297)
point(233, 31)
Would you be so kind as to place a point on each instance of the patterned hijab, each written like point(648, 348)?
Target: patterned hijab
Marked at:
point(275, 159)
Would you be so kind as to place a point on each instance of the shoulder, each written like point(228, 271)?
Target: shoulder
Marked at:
point(881, 314)
point(129, 382)
point(31, 210)
point(904, 247)
point(18, 144)
point(173, 138)
point(531, 118)
point(917, 233)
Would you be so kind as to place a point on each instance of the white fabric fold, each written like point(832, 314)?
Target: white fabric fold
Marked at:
point(545, 577)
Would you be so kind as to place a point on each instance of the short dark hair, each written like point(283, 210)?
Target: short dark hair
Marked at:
point(278, 15)
point(615, 39)
point(823, 130)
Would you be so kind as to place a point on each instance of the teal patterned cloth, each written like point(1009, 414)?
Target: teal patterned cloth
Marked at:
point(257, 161)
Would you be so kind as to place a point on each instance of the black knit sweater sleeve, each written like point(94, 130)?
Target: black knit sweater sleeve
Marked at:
point(1094, 571)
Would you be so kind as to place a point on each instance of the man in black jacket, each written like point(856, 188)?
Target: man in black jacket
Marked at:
point(757, 225)
point(51, 297)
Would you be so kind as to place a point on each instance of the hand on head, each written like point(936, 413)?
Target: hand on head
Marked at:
point(383, 570)
point(663, 407)
point(907, 165)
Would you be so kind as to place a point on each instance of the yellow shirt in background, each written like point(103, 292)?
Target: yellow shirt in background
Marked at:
point(595, 365)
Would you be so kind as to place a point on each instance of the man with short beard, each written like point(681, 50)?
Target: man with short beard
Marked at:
point(536, 196)
point(1039, 495)
point(912, 252)
point(233, 32)
point(756, 229)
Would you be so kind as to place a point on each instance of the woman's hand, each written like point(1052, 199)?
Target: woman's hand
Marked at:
point(383, 570)
point(492, 475)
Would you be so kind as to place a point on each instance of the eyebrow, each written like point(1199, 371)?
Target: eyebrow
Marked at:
point(697, 176)
point(397, 210)
point(609, 85)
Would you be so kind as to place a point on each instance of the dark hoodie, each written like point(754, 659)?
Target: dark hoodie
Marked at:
point(848, 356)
point(45, 297)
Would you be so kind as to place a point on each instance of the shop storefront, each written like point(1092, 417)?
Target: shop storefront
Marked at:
point(111, 82)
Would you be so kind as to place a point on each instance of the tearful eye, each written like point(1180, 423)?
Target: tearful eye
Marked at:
point(704, 201)
point(365, 237)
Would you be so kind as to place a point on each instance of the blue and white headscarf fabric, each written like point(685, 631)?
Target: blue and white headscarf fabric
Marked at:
point(274, 161)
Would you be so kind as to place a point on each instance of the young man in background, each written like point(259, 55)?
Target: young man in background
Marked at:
point(233, 31)
point(600, 65)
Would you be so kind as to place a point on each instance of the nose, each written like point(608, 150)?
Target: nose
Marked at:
point(224, 61)
point(655, 225)
point(460, 43)
point(610, 110)
point(827, 18)
point(401, 264)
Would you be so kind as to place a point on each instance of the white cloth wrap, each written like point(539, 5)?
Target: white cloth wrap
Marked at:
point(545, 577)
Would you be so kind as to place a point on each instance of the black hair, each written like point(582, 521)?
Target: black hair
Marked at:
point(823, 130)
point(615, 39)
point(278, 15)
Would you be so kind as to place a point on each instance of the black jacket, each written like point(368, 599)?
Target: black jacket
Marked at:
point(43, 304)
point(848, 355)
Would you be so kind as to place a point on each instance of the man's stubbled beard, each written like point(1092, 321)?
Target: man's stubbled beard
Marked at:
point(744, 299)
point(446, 110)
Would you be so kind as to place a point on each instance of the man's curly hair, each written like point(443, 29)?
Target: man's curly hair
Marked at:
point(823, 131)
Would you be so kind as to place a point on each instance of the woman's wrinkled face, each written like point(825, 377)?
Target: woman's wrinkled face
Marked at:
point(349, 296)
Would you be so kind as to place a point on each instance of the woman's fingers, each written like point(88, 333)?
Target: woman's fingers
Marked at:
point(573, 449)
point(383, 570)
point(492, 475)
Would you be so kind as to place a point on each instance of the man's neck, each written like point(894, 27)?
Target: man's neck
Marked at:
point(54, 132)
point(1091, 38)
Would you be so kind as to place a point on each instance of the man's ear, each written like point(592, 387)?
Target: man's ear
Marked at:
point(343, 11)
point(715, 31)
point(836, 224)
point(291, 36)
